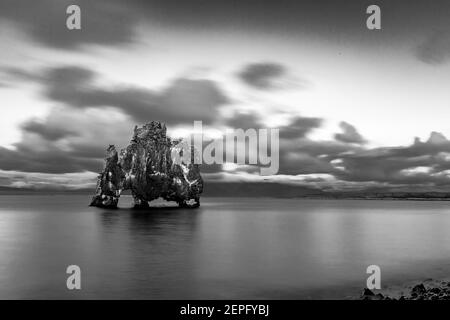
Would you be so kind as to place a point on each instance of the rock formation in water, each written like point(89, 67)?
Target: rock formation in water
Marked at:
point(148, 168)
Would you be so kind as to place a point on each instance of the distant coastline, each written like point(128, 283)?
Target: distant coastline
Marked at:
point(256, 190)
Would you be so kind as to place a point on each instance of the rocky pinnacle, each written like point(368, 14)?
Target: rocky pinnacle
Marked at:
point(146, 167)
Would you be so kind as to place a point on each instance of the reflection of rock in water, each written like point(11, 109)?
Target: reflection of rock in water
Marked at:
point(146, 168)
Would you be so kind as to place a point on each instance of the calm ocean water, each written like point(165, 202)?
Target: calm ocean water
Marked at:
point(226, 249)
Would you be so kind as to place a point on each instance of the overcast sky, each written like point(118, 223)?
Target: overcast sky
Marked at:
point(356, 108)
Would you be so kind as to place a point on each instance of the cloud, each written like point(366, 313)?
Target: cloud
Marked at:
point(435, 49)
point(88, 117)
point(102, 22)
point(244, 121)
point(421, 165)
point(349, 134)
point(73, 137)
point(114, 22)
point(262, 75)
point(51, 133)
point(306, 156)
point(183, 100)
point(300, 127)
point(45, 148)
point(189, 100)
point(49, 161)
point(399, 165)
point(48, 181)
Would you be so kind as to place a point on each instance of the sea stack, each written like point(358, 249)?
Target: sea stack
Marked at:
point(147, 168)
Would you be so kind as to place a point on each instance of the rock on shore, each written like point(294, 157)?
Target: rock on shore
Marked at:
point(418, 292)
point(146, 167)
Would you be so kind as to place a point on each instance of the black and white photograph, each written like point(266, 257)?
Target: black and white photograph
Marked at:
point(198, 150)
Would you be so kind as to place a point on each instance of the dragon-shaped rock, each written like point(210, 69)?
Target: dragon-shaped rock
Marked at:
point(151, 166)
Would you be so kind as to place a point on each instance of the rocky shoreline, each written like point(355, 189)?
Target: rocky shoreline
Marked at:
point(437, 290)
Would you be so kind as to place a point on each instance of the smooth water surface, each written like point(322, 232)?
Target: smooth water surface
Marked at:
point(227, 249)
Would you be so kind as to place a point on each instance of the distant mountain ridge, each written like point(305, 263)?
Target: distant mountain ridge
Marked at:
point(268, 190)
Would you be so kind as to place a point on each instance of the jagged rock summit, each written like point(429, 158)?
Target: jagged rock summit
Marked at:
point(147, 168)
